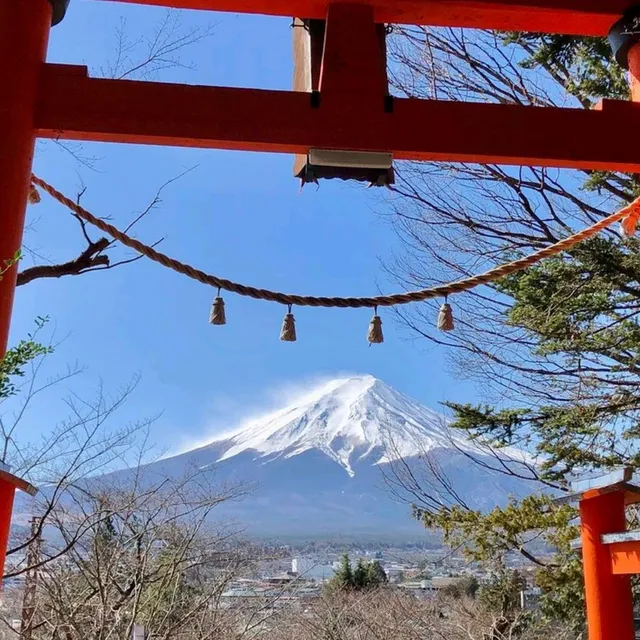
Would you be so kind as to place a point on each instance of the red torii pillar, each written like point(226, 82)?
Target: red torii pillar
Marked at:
point(24, 34)
point(610, 553)
point(608, 596)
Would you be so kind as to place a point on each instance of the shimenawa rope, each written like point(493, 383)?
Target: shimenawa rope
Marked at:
point(629, 215)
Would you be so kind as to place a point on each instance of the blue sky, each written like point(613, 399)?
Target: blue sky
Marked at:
point(237, 215)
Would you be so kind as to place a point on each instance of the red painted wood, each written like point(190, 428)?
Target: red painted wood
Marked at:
point(625, 558)
point(608, 596)
point(586, 17)
point(7, 493)
point(353, 61)
point(82, 108)
point(24, 31)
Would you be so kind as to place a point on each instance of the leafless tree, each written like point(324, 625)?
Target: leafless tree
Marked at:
point(146, 56)
point(455, 220)
point(421, 482)
point(87, 442)
point(70, 454)
point(98, 254)
point(141, 57)
point(392, 614)
point(143, 550)
point(108, 548)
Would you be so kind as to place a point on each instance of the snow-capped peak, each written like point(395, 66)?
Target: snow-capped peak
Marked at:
point(348, 419)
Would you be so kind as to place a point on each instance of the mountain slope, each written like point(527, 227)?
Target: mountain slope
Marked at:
point(323, 465)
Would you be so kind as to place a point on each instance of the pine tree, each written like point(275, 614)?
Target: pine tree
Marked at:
point(343, 578)
point(360, 575)
point(376, 575)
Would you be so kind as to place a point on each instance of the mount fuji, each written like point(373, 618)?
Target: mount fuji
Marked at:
point(328, 465)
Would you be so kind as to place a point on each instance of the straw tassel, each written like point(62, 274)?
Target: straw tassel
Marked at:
point(628, 226)
point(288, 331)
point(34, 195)
point(445, 317)
point(218, 315)
point(375, 335)
point(630, 222)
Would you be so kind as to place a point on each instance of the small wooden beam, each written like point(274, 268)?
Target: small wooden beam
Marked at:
point(624, 549)
point(8, 485)
point(577, 17)
point(17, 482)
point(625, 557)
point(76, 107)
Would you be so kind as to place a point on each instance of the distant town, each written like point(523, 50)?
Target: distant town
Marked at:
point(289, 575)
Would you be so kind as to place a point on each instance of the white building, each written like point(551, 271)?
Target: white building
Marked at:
point(301, 566)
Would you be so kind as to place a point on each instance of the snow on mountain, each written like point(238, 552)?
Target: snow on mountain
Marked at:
point(322, 466)
point(348, 420)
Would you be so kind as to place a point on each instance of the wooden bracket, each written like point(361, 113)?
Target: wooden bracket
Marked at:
point(354, 59)
point(342, 60)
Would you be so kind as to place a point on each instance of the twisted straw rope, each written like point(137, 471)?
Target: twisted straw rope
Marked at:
point(440, 291)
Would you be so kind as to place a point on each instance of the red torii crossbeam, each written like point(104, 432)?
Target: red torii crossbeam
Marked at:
point(81, 108)
point(577, 17)
point(348, 110)
point(350, 115)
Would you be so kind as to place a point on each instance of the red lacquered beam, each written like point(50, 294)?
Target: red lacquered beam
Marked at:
point(76, 107)
point(579, 17)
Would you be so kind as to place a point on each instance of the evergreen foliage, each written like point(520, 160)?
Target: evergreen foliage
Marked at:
point(343, 578)
point(375, 574)
point(366, 575)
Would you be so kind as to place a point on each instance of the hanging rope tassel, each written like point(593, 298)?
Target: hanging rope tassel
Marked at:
point(375, 329)
point(288, 331)
point(218, 315)
point(445, 317)
point(629, 223)
point(34, 195)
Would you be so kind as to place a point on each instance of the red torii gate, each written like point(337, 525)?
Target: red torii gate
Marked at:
point(348, 110)
point(610, 552)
